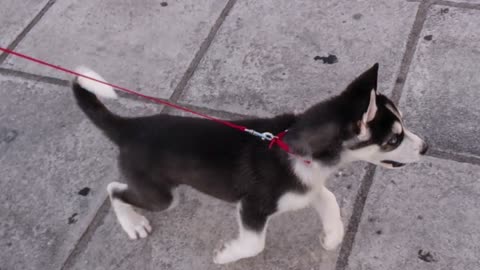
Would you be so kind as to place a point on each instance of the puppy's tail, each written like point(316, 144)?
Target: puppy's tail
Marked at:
point(86, 92)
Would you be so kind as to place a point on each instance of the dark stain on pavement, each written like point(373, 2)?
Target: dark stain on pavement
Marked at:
point(357, 16)
point(8, 135)
point(330, 59)
point(84, 191)
point(426, 256)
point(72, 219)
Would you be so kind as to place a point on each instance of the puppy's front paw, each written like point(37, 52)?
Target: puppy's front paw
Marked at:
point(238, 249)
point(226, 255)
point(135, 225)
point(332, 237)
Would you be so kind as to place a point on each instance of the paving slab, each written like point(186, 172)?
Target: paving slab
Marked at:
point(440, 98)
point(15, 16)
point(54, 166)
point(185, 237)
point(424, 216)
point(277, 56)
point(145, 46)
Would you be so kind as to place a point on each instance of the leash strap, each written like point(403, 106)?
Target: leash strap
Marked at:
point(274, 140)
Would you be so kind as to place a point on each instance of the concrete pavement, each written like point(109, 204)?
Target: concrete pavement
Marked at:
point(233, 59)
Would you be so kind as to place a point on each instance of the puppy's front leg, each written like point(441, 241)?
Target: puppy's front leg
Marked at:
point(327, 207)
point(252, 224)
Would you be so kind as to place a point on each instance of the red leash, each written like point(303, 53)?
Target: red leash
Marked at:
point(264, 136)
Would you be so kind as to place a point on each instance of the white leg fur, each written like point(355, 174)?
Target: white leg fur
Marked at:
point(327, 207)
point(134, 224)
point(248, 244)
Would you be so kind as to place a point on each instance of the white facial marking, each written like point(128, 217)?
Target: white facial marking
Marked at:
point(397, 128)
point(134, 224)
point(248, 244)
point(407, 152)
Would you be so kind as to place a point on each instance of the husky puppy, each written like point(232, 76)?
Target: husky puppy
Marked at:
point(159, 153)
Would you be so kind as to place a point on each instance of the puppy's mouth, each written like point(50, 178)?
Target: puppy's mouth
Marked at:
point(394, 164)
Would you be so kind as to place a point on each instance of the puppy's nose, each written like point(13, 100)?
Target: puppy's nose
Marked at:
point(424, 148)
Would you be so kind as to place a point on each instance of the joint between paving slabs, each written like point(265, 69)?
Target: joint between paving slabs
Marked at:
point(205, 45)
point(87, 234)
point(457, 4)
point(452, 156)
point(33, 77)
point(27, 29)
point(465, 5)
point(354, 222)
point(410, 50)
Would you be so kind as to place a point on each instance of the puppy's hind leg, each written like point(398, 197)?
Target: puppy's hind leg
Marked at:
point(134, 224)
point(124, 197)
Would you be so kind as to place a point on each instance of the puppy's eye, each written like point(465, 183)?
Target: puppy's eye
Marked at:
point(394, 140)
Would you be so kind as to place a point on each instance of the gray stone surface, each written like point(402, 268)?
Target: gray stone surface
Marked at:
point(441, 95)
point(262, 59)
point(429, 208)
point(143, 46)
point(15, 16)
point(49, 151)
point(260, 62)
point(185, 237)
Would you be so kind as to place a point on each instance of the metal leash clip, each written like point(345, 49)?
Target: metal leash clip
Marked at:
point(266, 136)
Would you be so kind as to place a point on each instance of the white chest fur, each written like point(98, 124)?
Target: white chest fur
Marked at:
point(293, 201)
point(312, 175)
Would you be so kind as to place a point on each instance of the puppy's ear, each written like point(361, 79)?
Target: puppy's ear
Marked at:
point(360, 95)
point(363, 84)
point(367, 117)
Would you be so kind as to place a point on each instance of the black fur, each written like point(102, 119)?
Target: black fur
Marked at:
point(158, 153)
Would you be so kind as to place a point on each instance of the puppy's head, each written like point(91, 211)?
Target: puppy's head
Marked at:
point(380, 135)
point(359, 124)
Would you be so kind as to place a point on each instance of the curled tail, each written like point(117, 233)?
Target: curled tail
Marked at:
point(86, 92)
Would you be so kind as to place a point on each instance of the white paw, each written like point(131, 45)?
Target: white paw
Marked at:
point(135, 225)
point(236, 250)
point(332, 238)
point(225, 255)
